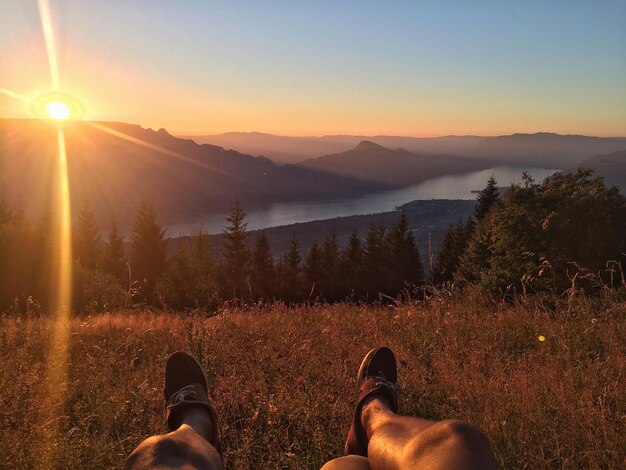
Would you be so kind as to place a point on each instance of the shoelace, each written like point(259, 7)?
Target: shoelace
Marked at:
point(188, 392)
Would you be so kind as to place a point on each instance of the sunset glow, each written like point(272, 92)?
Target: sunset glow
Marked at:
point(442, 71)
point(58, 110)
point(57, 106)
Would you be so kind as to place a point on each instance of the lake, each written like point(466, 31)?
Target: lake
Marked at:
point(445, 187)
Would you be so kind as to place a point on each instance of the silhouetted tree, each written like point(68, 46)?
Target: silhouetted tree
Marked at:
point(375, 260)
point(290, 273)
point(330, 282)
point(262, 276)
point(113, 258)
point(405, 263)
point(189, 277)
point(351, 266)
point(487, 197)
point(452, 249)
point(313, 270)
point(87, 238)
point(148, 250)
point(545, 233)
point(236, 258)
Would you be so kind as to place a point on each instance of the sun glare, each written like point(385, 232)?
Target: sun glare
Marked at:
point(58, 110)
point(57, 106)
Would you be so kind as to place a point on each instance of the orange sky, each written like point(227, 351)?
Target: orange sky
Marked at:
point(176, 68)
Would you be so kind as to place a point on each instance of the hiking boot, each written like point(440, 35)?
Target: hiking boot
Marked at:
point(377, 377)
point(186, 385)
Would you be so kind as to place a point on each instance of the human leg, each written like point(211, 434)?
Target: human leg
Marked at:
point(194, 437)
point(391, 441)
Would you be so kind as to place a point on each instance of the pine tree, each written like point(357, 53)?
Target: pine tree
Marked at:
point(189, 278)
point(351, 266)
point(148, 252)
point(375, 260)
point(87, 239)
point(290, 273)
point(487, 197)
point(113, 258)
point(452, 249)
point(330, 283)
point(405, 263)
point(313, 270)
point(262, 277)
point(236, 257)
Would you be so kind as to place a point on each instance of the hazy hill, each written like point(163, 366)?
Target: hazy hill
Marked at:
point(283, 149)
point(372, 162)
point(546, 149)
point(181, 178)
point(543, 149)
point(612, 167)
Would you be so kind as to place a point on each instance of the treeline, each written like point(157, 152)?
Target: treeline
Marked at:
point(386, 263)
point(563, 235)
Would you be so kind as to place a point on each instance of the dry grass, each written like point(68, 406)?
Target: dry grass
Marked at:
point(284, 380)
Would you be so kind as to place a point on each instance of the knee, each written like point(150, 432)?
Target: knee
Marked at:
point(449, 436)
point(459, 434)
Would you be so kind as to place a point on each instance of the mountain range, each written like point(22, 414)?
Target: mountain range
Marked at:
point(116, 166)
point(541, 149)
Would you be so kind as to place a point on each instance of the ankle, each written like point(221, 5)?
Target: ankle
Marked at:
point(198, 419)
point(374, 408)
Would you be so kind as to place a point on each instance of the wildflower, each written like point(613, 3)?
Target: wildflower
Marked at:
point(541, 338)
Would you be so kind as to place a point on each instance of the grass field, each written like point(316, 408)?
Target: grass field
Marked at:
point(283, 380)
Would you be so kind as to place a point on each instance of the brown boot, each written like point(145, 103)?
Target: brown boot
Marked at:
point(377, 377)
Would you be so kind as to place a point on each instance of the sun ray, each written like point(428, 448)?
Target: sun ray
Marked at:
point(157, 148)
point(48, 33)
point(59, 347)
point(13, 94)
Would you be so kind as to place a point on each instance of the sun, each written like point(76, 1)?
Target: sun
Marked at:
point(58, 110)
point(57, 106)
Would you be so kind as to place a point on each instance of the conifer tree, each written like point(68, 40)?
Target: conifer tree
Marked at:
point(313, 270)
point(236, 257)
point(189, 277)
point(113, 258)
point(330, 283)
point(452, 249)
point(375, 260)
point(290, 272)
point(148, 250)
point(87, 238)
point(405, 262)
point(262, 277)
point(351, 266)
point(487, 197)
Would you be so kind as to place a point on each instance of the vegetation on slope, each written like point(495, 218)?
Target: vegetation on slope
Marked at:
point(283, 379)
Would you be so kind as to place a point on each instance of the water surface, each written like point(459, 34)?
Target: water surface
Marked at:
point(444, 187)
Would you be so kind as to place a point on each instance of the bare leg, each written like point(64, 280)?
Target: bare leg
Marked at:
point(349, 462)
point(401, 442)
point(187, 447)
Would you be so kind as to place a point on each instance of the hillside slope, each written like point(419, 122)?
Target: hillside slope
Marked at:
point(283, 380)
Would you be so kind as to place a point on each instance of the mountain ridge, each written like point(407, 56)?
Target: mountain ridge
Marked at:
point(285, 149)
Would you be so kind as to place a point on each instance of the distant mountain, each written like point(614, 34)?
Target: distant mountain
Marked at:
point(611, 166)
point(392, 168)
point(181, 178)
point(545, 149)
point(540, 149)
point(282, 149)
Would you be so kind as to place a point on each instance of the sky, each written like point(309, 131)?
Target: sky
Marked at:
point(415, 68)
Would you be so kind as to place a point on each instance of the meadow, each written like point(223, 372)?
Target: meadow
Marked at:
point(283, 379)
